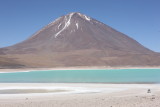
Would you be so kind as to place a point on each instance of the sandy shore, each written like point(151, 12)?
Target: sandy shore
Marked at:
point(72, 68)
point(83, 95)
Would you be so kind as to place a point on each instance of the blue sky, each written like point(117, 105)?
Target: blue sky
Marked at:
point(139, 19)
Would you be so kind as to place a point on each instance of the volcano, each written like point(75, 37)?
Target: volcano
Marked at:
point(79, 40)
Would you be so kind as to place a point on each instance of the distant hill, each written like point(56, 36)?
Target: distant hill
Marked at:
point(79, 40)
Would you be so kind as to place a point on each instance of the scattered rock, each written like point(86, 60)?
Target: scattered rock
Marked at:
point(153, 98)
point(149, 91)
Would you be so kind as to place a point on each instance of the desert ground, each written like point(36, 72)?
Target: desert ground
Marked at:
point(82, 95)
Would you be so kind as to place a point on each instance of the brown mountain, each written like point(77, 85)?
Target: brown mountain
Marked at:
point(78, 40)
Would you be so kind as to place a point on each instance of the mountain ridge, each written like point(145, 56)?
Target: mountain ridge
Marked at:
point(76, 39)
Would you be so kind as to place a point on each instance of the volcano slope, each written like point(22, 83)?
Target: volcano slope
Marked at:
point(79, 40)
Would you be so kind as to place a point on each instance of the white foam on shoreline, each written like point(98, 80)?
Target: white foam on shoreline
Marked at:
point(55, 69)
point(15, 71)
point(31, 70)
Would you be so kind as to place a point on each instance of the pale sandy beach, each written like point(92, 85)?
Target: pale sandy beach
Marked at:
point(82, 95)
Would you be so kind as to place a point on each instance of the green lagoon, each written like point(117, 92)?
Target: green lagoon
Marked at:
point(84, 76)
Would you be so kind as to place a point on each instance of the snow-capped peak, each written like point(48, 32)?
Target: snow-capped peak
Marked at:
point(81, 15)
point(67, 22)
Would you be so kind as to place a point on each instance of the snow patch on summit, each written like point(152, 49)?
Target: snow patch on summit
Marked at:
point(87, 18)
point(84, 16)
point(77, 25)
point(66, 25)
point(59, 25)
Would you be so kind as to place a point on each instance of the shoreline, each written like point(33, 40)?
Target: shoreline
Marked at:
point(70, 68)
point(69, 88)
point(74, 87)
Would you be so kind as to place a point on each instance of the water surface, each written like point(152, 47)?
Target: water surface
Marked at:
point(84, 76)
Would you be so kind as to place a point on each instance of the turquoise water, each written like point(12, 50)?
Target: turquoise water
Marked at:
point(84, 76)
